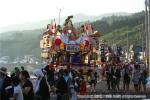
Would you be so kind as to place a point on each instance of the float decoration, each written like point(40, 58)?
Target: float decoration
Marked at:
point(70, 46)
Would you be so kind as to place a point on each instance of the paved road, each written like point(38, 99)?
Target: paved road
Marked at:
point(101, 89)
point(103, 94)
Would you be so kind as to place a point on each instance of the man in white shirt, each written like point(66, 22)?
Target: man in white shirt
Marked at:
point(18, 95)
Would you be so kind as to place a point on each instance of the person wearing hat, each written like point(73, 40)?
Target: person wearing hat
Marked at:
point(69, 29)
point(41, 88)
point(6, 90)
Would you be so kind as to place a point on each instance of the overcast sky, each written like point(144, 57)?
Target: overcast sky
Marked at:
point(21, 11)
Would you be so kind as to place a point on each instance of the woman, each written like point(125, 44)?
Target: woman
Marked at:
point(136, 78)
point(118, 76)
point(126, 77)
point(41, 88)
point(83, 88)
point(27, 87)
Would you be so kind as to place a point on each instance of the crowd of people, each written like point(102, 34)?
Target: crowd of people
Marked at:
point(129, 73)
point(66, 83)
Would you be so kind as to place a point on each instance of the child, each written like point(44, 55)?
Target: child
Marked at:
point(83, 87)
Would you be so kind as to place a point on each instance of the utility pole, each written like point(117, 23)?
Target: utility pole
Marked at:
point(147, 4)
point(142, 35)
point(128, 46)
point(59, 16)
point(146, 33)
point(142, 39)
point(149, 35)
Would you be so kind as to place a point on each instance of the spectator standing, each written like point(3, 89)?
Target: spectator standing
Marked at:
point(118, 76)
point(18, 95)
point(136, 77)
point(113, 77)
point(62, 88)
point(26, 84)
point(126, 77)
point(6, 90)
point(108, 76)
point(41, 88)
point(50, 77)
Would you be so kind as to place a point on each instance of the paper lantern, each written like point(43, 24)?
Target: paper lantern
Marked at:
point(62, 46)
point(57, 41)
point(81, 47)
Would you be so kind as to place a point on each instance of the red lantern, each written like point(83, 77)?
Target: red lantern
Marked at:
point(57, 41)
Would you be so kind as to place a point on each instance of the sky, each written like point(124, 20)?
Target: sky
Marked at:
point(23, 11)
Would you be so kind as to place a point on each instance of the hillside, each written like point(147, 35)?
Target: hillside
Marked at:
point(119, 36)
point(114, 29)
point(109, 24)
point(41, 24)
point(20, 43)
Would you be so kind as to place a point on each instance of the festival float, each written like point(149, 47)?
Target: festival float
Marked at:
point(70, 46)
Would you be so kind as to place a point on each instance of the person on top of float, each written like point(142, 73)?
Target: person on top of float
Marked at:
point(58, 30)
point(88, 29)
point(51, 28)
point(83, 30)
point(69, 29)
point(47, 38)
